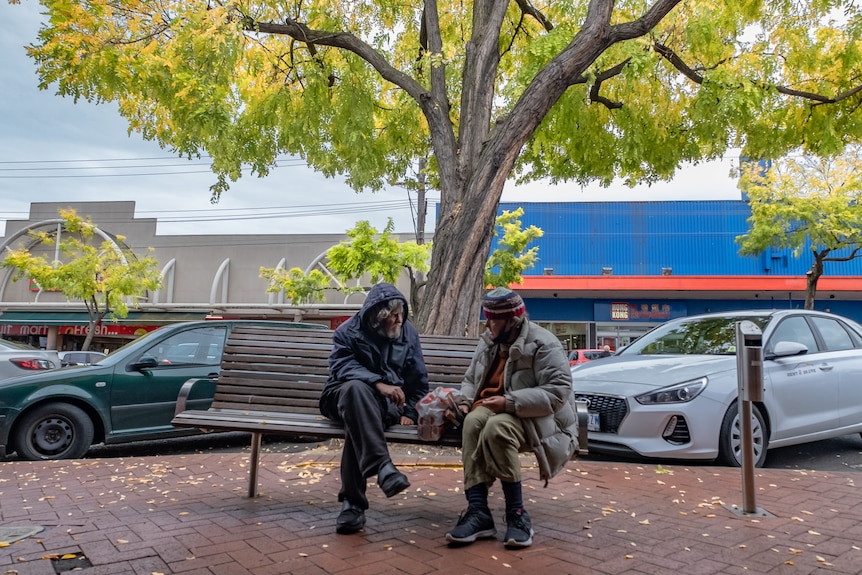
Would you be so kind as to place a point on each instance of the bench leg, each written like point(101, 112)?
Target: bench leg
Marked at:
point(253, 464)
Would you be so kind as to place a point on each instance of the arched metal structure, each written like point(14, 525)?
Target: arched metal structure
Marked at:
point(58, 222)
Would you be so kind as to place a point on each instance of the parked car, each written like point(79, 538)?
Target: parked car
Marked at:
point(674, 392)
point(19, 359)
point(578, 356)
point(80, 357)
point(129, 395)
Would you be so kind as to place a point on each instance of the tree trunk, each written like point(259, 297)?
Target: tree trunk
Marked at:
point(811, 278)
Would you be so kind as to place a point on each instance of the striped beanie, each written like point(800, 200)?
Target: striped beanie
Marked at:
point(502, 303)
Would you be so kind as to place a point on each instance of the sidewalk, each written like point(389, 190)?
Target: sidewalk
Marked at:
point(189, 515)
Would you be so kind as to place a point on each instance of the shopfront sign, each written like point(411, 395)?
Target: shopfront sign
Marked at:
point(102, 329)
point(638, 311)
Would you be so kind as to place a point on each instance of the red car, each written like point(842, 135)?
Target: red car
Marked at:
point(577, 356)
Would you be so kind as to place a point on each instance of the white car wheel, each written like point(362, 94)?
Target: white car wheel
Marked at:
point(730, 439)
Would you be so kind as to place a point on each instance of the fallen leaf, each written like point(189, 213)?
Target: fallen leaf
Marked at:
point(810, 532)
point(630, 556)
point(644, 522)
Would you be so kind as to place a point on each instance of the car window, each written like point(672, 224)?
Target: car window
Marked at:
point(710, 336)
point(834, 335)
point(793, 329)
point(573, 355)
point(202, 346)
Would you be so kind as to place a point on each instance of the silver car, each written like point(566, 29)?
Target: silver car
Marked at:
point(673, 392)
point(21, 359)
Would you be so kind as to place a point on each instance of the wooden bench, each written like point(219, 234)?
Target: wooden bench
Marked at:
point(271, 378)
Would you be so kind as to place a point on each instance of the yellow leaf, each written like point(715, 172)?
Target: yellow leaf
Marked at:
point(810, 532)
point(630, 556)
point(644, 522)
point(4, 544)
point(68, 556)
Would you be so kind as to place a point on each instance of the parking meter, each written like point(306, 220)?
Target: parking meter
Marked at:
point(749, 361)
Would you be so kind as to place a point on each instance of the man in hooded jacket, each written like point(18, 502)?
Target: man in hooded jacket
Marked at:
point(517, 397)
point(376, 376)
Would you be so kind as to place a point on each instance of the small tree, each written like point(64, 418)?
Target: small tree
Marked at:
point(381, 256)
point(508, 262)
point(807, 203)
point(103, 277)
point(298, 287)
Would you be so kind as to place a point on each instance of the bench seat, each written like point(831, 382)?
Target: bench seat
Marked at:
point(271, 378)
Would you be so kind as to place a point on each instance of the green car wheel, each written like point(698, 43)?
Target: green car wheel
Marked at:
point(53, 431)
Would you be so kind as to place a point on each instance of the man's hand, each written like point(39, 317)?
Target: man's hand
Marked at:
point(391, 392)
point(406, 420)
point(496, 403)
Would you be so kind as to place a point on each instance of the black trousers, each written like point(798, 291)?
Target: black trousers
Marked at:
point(365, 414)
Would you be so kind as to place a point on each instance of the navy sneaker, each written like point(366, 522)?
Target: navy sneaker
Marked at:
point(519, 529)
point(472, 524)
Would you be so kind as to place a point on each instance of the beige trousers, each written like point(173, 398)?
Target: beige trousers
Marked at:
point(490, 443)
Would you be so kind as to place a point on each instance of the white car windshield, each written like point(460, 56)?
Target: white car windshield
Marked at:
point(698, 336)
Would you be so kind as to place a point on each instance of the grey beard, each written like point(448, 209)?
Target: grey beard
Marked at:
point(394, 333)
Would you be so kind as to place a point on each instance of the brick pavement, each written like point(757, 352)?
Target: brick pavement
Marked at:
point(188, 514)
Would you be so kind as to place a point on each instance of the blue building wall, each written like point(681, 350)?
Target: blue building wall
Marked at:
point(641, 238)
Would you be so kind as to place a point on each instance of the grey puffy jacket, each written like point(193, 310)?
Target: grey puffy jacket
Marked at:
point(537, 383)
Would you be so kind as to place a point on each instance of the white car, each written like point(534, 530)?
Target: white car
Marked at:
point(80, 357)
point(21, 359)
point(673, 393)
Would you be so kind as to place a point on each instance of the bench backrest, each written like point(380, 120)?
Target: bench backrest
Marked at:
point(284, 369)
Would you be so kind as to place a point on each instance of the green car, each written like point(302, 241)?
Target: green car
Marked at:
point(129, 395)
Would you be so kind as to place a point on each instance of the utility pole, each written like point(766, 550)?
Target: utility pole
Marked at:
point(421, 204)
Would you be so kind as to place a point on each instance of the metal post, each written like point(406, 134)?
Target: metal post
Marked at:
point(749, 363)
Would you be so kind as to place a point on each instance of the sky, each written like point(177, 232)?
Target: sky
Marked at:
point(55, 150)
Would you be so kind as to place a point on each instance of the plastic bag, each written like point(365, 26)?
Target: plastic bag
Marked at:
point(438, 411)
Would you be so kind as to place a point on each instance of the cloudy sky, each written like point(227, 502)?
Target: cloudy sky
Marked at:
point(53, 150)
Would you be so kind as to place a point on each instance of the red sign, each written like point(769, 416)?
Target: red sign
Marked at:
point(334, 322)
point(104, 329)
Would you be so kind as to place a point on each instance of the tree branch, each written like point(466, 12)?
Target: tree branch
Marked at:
point(345, 41)
point(530, 10)
point(697, 78)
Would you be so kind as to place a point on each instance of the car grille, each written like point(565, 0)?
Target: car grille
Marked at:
point(611, 410)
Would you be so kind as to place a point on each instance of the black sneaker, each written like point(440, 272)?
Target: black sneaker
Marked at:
point(472, 524)
point(519, 530)
point(350, 520)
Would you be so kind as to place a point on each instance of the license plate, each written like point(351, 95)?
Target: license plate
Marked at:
point(593, 423)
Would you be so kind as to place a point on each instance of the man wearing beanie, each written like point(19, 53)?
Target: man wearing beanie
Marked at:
point(376, 376)
point(517, 394)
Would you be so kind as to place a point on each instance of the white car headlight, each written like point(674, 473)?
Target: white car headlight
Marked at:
point(679, 393)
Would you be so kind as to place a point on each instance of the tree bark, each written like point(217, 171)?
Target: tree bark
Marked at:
point(811, 278)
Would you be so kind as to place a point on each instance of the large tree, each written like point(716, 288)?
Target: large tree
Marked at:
point(583, 90)
point(806, 203)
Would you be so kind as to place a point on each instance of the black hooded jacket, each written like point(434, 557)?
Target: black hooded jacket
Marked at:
point(360, 353)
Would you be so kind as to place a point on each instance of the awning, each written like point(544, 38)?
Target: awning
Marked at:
point(82, 318)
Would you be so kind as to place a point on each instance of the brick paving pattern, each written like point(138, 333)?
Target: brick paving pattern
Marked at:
point(188, 514)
